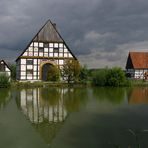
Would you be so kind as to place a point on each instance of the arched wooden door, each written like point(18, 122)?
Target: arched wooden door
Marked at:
point(45, 70)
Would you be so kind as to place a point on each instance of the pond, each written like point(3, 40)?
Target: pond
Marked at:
point(75, 117)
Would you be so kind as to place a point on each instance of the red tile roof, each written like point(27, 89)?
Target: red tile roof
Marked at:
point(139, 59)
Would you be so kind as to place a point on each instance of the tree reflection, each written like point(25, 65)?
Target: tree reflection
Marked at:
point(4, 97)
point(50, 96)
point(113, 95)
point(74, 98)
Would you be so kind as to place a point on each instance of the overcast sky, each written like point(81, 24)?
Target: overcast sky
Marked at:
point(99, 32)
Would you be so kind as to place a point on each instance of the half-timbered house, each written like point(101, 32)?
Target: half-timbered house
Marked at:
point(4, 68)
point(137, 65)
point(46, 49)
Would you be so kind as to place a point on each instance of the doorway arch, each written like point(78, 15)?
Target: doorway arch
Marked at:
point(44, 69)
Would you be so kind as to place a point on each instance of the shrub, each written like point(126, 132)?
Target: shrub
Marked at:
point(110, 77)
point(71, 70)
point(53, 74)
point(4, 80)
point(99, 77)
point(13, 71)
point(83, 77)
point(116, 77)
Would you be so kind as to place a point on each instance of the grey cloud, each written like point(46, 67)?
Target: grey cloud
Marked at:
point(108, 28)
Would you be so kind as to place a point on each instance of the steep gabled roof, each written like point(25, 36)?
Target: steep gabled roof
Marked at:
point(48, 33)
point(137, 60)
point(5, 64)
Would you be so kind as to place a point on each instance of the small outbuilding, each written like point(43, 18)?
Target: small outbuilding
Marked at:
point(4, 68)
point(137, 65)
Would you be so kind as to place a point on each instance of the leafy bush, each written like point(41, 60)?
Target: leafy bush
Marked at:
point(99, 77)
point(110, 77)
point(83, 77)
point(116, 77)
point(71, 70)
point(4, 80)
point(53, 74)
point(13, 71)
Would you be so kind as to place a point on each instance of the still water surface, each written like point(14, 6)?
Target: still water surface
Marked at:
point(74, 118)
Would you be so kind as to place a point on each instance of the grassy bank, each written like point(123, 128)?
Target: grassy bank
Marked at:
point(15, 84)
point(46, 84)
point(139, 83)
point(4, 80)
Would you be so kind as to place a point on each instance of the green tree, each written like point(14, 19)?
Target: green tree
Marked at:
point(99, 77)
point(116, 77)
point(71, 70)
point(4, 80)
point(84, 73)
point(109, 77)
point(53, 74)
point(13, 71)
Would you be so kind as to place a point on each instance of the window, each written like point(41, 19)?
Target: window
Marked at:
point(50, 49)
point(61, 45)
point(61, 50)
point(46, 45)
point(56, 50)
point(29, 71)
point(35, 44)
point(41, 49)
point(29, 62)
point(30, 53)
point(41, 44)
point(56, 45)
point(51, 45)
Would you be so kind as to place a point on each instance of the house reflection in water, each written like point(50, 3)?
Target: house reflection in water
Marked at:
point(45, 108)
point(41, 104)
point(48, 108)
point(138, 96)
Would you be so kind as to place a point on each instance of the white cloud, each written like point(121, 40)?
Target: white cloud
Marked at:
point(100, 59)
